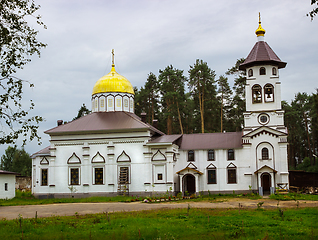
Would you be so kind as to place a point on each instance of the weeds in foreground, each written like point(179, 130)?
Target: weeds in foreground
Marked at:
point(170, 224)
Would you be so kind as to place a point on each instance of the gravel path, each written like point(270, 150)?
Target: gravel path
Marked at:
point(69, 209)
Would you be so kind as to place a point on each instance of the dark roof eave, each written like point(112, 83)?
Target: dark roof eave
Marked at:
point(243, 66)
point(86, 132)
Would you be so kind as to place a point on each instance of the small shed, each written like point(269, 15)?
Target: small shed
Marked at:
point(7, 184)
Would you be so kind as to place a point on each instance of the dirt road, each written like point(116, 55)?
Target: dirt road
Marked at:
point(68, 209)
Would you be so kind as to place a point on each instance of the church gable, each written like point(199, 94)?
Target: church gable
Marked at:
point(74, 159)
point(265, 130)
point(98, 158)
point(123, 157)
point(158, 156)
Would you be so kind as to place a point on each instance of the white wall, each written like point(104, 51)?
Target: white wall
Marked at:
point(10, 180)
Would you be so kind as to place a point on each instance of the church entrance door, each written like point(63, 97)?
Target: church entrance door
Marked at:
point(266, 182)
point(188, 184)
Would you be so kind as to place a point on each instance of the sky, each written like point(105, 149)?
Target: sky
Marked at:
point(149, 35)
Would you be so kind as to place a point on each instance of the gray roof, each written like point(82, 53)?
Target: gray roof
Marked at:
point(262, 53)
point(228, 140)
point(103, 122)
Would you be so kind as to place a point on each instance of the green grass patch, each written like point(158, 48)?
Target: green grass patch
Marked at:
point(170, 224)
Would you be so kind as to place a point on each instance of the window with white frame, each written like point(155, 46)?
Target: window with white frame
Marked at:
point(98, 175)
point(74, 176)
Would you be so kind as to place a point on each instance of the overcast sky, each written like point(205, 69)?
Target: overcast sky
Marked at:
point(149, 35)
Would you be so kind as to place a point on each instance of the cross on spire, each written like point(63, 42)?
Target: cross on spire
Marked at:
point(113, 58)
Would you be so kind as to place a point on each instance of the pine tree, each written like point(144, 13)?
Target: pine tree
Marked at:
point(225, 94)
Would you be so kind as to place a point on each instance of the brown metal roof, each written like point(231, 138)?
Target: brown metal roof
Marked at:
point(166, 139)
point(262, 54)
point(226, 140)
point(7, 172)
point(101, 122)
point(44, 151)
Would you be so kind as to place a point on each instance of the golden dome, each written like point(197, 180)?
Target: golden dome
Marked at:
point(113, 82)
point(260, 31)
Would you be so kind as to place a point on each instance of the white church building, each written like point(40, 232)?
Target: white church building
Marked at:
point(113, 151)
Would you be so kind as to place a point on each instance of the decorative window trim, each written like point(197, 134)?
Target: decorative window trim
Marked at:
point(191, 165)
point(231, 167)
point(44, 161)
point(122, 155)
point(76, 157)
point(262, 115)
point(97, 155)
point(158, 154)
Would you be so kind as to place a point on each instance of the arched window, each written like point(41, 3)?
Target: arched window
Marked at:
point(265, 155)
point(257, 94)
point(274, 71)
point(211, 155)
point(250, 72)
point(269, 93)
point(191, 156)
point(262, 71)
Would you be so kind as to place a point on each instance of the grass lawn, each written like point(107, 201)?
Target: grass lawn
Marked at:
point(170, 224)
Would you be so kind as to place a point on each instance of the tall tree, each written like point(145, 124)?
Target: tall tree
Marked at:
point(82, 112)
point(172, 97)
point(18, 42)
point(314, 12)
point(238, 106)
point(151, 103)
point(16, 160)
point(225, 98)
point(202, 86)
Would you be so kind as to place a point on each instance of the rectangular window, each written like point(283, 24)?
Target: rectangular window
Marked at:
point(5, 186)
point(159, 176)
point(211, 155)
point(231, 174)
point(230, 154)
point(118, 103)
point(110, 102)
point(212, 176)
point(43, 177)
point(102, 103)
point(123, 175)
point(74, 176)
point(191, 156)
point(99, 178)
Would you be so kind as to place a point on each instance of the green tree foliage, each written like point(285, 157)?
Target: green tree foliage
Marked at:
point(82, 112)
point(147, 98)
point(172, 90)
point(225, 96)
point(238, 106)
point(16, 160)
point(18, 43)
point(314, 12)
point(202, 87)
point(302, 124)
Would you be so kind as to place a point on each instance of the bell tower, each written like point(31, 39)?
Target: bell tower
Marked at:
point(263, 87)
